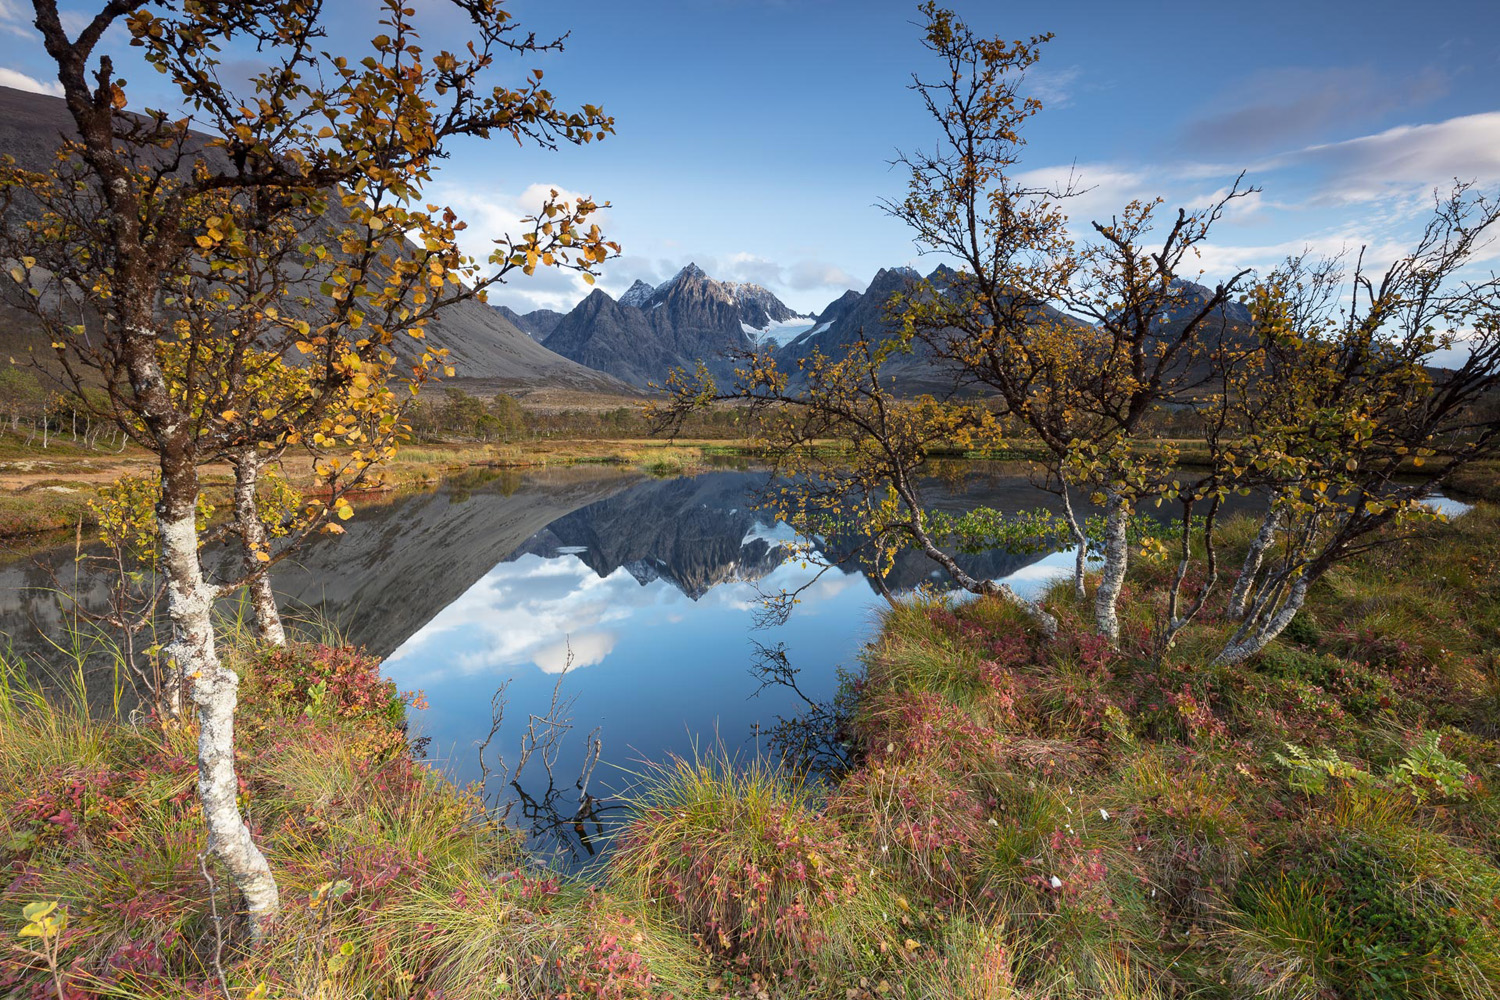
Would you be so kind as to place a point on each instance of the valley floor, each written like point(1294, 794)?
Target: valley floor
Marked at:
point(48, 490)
point(1017, 819)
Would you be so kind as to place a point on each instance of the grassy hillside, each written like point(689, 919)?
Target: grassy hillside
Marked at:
point(1021, 820)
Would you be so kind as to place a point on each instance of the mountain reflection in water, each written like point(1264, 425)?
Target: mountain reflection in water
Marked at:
point(646, 591)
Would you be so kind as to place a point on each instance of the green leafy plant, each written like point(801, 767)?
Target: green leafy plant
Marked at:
point(1424, 770)
point(1310, 773)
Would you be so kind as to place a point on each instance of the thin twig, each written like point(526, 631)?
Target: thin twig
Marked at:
point(213, 909)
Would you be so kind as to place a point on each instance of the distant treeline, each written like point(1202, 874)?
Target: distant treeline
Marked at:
point(501, 418)
point(44, 414)
point(459, 415)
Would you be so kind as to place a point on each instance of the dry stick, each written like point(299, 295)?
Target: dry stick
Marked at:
point(213, 909)
point(593, 748)
point(497, 719)
point(49, 956)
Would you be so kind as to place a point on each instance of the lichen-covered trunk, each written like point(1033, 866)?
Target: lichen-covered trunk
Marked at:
point(192, 655)
point(1112, 578)
point(213, 689)
point(1239, 598)
point(265, 618)
point(1253, 637)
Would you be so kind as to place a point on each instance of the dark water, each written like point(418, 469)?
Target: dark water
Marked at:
point(622, 608)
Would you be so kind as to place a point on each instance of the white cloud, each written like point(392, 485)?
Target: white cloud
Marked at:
point(532, 610)
point(1393, 162)
point(1371, 192)
point(20, 81)
point(748, 267)
point(574, 652)
point(1221, 260)
point(806, 275)
point(1102, 189)
point(1053, 87)
point(491, 215)
point(524, 611)
point(14, 21)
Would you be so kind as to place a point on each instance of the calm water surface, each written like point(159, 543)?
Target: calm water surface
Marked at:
point(636, 602)
point(623, 608)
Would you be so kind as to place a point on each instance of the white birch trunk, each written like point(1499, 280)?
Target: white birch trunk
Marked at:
point(265, 618)
point(1116, 556)
point(214, 691)
point(1241, 647)
point(1239, 599)
point(1080, 564)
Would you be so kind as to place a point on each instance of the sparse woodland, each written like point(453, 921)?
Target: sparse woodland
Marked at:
point(1229, 757)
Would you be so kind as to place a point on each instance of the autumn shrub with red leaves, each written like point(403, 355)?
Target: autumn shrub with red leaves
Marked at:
point(742, 861)
point(335, 680)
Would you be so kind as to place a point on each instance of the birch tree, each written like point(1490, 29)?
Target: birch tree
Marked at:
point(1084, 342)
point(146, 212)
point(1355, 425)
point(868, 493)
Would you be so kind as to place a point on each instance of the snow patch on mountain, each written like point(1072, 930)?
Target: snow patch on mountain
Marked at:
point(758, 306)
point(777, 333)
point(637, 295)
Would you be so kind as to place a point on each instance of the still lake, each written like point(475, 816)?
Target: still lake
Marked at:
point(635, 602)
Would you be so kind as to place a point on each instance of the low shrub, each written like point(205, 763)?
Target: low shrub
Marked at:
point(740, 860)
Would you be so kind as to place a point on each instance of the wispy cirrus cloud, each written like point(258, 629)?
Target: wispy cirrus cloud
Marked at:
point(1368, 193)
point(1393, 161)
point(1292, 105)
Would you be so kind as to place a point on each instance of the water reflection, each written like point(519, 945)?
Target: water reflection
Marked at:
point(646, 591)
point(650, 597)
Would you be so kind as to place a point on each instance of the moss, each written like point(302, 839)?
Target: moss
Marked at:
point(1371, 919)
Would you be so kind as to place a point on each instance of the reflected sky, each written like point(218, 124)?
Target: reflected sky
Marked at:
point(659, 671)
point(619, 634)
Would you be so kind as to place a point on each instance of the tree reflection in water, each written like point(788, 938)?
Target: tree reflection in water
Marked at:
point(817, 741)
point(569, 824)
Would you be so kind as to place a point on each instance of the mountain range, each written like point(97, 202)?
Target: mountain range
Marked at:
point(602, 345)
point(650, 330)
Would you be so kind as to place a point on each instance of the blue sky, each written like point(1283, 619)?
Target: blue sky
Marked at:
point(754, 135)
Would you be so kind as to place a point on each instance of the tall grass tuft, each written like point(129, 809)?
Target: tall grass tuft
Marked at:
point(739, 858)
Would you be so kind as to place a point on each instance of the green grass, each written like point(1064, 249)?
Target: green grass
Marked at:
point(1023, 819)
point(394, 883)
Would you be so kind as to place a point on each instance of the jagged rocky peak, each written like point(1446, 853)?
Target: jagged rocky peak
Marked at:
point(839, 306)
point(637, 294)
point(693, 278)
point(892, 276)
point(758, 306)
point(536, 324)
point(1191, 294)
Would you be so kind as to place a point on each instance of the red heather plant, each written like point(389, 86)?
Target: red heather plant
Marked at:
point(334, 680)
point(605, 965)
point(926, 824)
point(743, 863)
